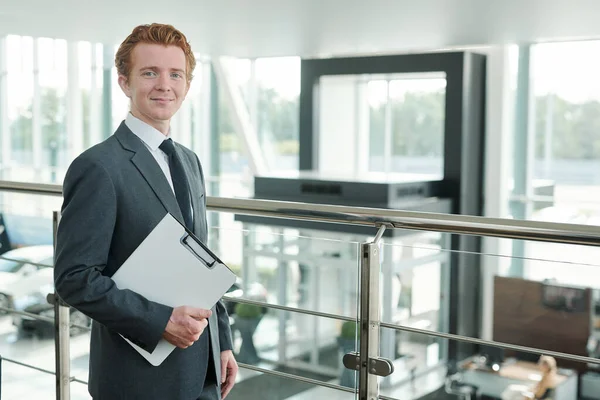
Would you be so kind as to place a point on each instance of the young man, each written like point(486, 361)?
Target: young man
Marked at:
point(115, 193)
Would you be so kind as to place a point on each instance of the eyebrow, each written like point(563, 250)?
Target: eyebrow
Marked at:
point(156, 68)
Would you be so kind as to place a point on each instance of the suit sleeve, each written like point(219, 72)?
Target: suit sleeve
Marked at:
point(225, 339)
point(83, 242)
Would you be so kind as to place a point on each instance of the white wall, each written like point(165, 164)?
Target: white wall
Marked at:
point(338, 125)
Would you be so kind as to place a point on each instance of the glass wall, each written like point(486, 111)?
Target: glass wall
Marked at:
point(63, 97)
point(562, 162)
point(382, 125)
point(270, 88)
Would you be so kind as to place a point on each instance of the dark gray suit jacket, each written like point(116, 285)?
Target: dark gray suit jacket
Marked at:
point(114, 195)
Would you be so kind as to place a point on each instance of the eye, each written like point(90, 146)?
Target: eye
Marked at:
point(176, 75)
point(149, 73)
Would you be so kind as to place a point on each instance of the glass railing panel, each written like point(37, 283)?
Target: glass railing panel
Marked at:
point(257, 385)
point(413, 293)
point(490, 371)
point(21, 382)
point(297, 344)
point(548, 298)
point(304, 269)
point(307, 269)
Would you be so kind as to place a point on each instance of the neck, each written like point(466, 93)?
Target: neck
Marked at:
point(161, 126)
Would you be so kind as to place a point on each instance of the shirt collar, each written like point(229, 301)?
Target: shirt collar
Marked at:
point(148, 134)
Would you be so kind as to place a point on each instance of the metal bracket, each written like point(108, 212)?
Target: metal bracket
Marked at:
point(377, 366)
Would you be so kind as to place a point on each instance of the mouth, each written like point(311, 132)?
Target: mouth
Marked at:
point(161, 100)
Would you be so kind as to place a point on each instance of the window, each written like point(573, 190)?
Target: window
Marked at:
point(565, 158)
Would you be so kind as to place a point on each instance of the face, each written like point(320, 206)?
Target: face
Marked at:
point(157, 83)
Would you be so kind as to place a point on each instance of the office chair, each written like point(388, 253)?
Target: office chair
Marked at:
point(454, 386)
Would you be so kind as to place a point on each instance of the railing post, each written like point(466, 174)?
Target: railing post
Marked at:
point(61, 335)
point(367, 361)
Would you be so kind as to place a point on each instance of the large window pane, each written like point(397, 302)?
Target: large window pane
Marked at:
point(20, 103)
point(278, 91)
point(52, 56)
point(566, 162)
point(417, 124)
point(567, 126)
point(390, 124)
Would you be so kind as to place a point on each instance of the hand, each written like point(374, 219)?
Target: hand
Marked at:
point(229, 370)
point(186, 325)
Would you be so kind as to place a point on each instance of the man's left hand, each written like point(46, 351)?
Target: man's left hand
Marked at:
point(229, 370)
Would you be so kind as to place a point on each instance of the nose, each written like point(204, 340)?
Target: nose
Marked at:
point(162, 83)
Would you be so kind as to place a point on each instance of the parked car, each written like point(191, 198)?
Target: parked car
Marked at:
point(31, 296)
point(17, 264)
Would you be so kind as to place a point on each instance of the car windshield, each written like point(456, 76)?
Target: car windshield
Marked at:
point(11, 266)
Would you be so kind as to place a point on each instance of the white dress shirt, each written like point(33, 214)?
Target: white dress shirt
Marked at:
point(152, 138)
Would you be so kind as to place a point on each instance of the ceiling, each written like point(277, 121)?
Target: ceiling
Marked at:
point(310, 28)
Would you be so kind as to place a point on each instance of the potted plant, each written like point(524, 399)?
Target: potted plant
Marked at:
point(347, 342)
point(247, 317)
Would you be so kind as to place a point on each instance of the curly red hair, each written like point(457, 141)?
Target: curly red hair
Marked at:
point(154, 34)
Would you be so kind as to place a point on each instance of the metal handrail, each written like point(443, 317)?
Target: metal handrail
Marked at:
point(290, 309)
point(375, 217)
point(297, 378)
point(46, 371)
point(507, 346)
point(36, 264)
point(40, 317)
point(31, 188)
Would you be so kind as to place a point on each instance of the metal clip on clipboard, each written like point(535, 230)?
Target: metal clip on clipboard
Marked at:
point(200, 251)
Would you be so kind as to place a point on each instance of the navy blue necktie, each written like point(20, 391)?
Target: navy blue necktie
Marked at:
point(180, 183)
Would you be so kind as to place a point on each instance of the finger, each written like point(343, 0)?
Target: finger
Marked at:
point(199, 313)
point(226, 388)
point(223, 372)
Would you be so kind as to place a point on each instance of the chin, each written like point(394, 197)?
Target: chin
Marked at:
point(162, 116)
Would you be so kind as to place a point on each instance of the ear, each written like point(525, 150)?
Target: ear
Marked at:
point(124, 84)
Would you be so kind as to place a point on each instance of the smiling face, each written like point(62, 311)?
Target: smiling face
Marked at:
point(157, 83)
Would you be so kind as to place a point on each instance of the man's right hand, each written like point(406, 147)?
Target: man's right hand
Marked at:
point(186, 325)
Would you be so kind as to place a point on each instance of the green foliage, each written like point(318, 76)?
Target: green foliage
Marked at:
point(53, 125)
point(349, 330)
point(248, 310)
point(574, 127)
point(417, 123)
point(277, 122)
point(278, 116)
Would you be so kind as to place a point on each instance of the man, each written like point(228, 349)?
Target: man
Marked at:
point(115, 193)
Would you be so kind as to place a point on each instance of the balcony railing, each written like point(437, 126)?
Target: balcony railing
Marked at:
point(368, 318)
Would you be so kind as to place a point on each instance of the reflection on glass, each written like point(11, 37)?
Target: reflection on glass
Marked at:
point(311, 270)
point(406, 120)
point(277, 95)
point(415, 278)
point(20, 91)
point(399, 118)
point(256, 385)
point(294, 268)
point(498, 373)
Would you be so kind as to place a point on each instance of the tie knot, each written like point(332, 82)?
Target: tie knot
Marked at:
point(168, 147)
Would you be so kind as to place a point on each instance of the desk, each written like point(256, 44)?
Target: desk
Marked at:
point(492, 383)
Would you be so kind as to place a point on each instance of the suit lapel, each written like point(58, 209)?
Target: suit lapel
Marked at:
point(149, 169)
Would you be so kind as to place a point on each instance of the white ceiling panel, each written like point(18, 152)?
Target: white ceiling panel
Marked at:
point(252, 28)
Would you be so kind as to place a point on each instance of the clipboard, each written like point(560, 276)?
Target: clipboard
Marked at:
point(173, 267)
